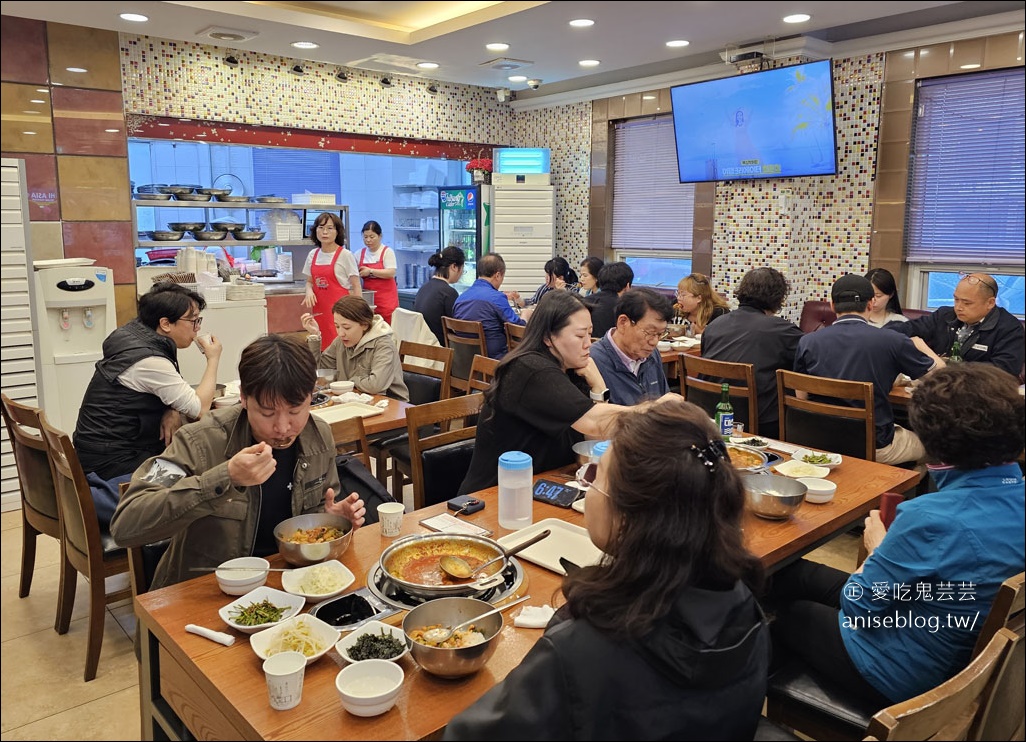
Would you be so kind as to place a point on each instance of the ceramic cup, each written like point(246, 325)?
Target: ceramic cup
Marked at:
point(284, 674)
point(390, 516)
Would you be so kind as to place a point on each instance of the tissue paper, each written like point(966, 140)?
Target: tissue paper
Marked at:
point(534, 617)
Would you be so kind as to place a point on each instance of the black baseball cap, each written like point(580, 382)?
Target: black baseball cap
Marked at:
point(851, 287)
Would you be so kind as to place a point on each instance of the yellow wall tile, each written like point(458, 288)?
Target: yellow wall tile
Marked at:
point(92, 49)
point(94, 188)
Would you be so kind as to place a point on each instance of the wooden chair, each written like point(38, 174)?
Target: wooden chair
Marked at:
point(1004, 713)
point(40, 511)
point(86, 550)
point(437, 464)
point(514, 334)
point(1007, 611)
point(466, 338)
point(823, 425)
point(482, 371)
point(701, 380)
point(350, 437)
point(427, 371)
point(954, 709)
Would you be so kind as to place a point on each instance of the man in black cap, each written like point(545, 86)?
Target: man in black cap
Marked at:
point(853, 350)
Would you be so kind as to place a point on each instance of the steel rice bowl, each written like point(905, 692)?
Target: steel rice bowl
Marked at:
point(456, 662)
point(773, 496)
point(303, 555)
point(398, 560)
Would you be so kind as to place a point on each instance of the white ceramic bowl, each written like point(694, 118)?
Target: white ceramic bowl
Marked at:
point(240, 582)
point(796, 469)
point(374, 628)
point(341, 387)
point(819, 490)
point(834, 458)
point(331, 573)
point(664, 345)
point(292, 604)
point(370, 687)
point(226, 401)
point(270, 641)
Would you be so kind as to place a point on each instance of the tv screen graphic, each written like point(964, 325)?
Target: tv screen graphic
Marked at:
point(775, 123)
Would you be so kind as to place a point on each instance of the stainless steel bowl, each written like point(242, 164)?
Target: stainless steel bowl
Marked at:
point(242, 234)
point(166, 236)
point(177, 190)
point(214, 191)
point(271, 200)
point(147, 196)
point(302, 555)
point(186, 226)
point(453, 663)
point(227, 226)
point(193, 196)
point(209, 234)
point(749, 453)
point(583, 449)
point(230, 199)
point(773, 496)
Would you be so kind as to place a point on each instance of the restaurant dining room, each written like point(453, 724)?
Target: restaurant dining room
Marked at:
point(513, 371)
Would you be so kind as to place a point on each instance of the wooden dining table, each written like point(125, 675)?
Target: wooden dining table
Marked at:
point(393, 417)
point(192, 687)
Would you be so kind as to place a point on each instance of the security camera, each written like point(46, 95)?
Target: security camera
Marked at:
point(534, 84)
point(386, 82)
point(231, 60)
point(503, 94)
point(433, 89)
point(341, 76)
point(297, 69)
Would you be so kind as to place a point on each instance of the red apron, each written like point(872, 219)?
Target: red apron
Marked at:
point(386, 290)
point(327, 290)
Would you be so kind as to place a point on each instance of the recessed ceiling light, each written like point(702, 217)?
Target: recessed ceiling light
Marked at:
point(648, 97)
point(589, 63)
point(498, 46)
point(677, 43)
point(582, 23)
point(428, 65)
point(305, 45)
point(969, 67)
point(797, 18)
point(76, 69)
point(517, 78)
point(134, 17)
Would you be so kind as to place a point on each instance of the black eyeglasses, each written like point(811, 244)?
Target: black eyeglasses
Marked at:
point(973, 279)
point(196, 322)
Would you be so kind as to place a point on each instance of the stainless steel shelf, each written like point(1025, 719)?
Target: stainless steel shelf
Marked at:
point(172, 204)
point(220, 243)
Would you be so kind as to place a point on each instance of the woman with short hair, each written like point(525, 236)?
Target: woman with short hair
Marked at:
point(590, 268)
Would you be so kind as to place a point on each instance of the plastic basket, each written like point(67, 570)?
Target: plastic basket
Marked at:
point(215, 293)
point(241, 291)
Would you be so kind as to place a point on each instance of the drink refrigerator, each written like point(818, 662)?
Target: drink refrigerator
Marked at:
point(465, 213)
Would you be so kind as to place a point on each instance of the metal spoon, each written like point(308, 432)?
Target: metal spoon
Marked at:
point(439, 635)
point(459, 568)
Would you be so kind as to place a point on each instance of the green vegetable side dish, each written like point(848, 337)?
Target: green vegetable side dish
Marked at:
point(376, 647)
point(255, 614)
point(816, 458)
point(757, 442)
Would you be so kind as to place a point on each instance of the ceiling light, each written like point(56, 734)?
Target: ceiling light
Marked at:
point(386, 82)
point(497, 46)
point(582, 23)
point(589, 63)
point(677, 43)
point(342, 76)
point(28, 132)
point(297, 69)
point(433, 89)
point(42, 90)
point(76, 69)
point(428, 65)
point(305, 45)
point(648, 97)
point(797, 18)
point(37, 100)
point(517, 78)
point(34, 113)
point(134, 17)
point(231, 60)
point(969, 67)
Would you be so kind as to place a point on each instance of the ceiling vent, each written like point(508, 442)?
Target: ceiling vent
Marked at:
point(505, 64)
point(221, 33)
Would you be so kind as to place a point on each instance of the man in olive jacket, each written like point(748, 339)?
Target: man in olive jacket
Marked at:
point(225, 482)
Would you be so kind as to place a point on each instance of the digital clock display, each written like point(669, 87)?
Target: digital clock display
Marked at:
point(561, 495)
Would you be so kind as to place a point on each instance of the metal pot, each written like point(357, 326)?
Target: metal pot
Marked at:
point(746, 458)
point(412, 563)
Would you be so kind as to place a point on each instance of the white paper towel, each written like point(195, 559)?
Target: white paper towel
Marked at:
point(215, 636)
point(534, 617)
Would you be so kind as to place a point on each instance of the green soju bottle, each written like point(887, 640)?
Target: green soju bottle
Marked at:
point(956, 352)
point(725, 413)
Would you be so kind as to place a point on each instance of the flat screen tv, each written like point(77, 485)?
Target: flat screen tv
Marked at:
point(775, 123)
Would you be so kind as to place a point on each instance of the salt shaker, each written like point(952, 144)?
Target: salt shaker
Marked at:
point(516, 501)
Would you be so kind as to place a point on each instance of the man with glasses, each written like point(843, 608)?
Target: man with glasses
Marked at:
point(137, 397)
point(987, 333)
point(627, 356)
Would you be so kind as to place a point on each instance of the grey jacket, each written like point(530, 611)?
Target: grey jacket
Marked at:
point(373, 365)
point(185, 494)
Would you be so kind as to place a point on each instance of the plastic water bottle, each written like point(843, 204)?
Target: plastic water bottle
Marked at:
point(516, 502)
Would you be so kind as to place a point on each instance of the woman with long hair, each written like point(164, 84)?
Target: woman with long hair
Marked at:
point(697, 304)
point(547, 394)
point(558, 275)
point(663, 638)
point(436, 297)
point(885, 306)
point(331, 273)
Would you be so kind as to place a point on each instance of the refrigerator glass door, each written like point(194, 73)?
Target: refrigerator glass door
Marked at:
point(460, 210)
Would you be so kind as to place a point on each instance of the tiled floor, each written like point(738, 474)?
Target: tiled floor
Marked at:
point(42, 693)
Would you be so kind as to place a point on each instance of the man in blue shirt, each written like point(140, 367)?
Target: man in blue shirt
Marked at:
point(484, 303)
point(628, 356)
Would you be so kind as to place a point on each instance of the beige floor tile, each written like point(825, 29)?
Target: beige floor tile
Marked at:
point(48, 551)
point(36, 612)
point(48, 677)
point(115, 716)
point(124, 614)
point(10, 519)
point(841, 553)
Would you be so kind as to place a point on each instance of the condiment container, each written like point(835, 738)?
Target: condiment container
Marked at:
point(516, 502)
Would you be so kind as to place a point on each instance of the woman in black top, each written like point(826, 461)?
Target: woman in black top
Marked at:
point(436, 297)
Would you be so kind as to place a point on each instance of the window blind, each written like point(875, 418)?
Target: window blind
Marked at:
point(652, 209)
point(965, 198)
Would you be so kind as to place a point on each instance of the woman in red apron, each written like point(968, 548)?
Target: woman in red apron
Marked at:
point(327, 282)
point(378, 267)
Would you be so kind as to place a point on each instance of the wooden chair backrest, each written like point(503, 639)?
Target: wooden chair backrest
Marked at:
point(436, 363)
point(740, 376)
point(1006, 611)
point(1004, 713)
point(443, 414)
point(952, 709)
point(799, 421)
point(351, 437)
point(514, 334)
point(482, 371)
point(38, 496)
point(466, 338)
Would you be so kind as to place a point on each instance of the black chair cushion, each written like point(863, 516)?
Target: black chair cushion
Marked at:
point(401, 451)
point(423, 388)
point(842, 435)
point(795, 686)
point(769, 731)
point(445, 468)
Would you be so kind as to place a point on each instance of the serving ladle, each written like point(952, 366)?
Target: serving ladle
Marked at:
point(459, 568)
point(439, 634)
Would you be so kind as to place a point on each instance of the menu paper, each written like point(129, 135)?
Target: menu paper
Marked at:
point(446, 523)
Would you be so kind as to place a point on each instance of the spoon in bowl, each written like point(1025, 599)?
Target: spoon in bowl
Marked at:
point(459, 568)
point(439, 634)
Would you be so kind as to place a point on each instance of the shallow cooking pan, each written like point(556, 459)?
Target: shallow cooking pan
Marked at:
point(412, 563)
